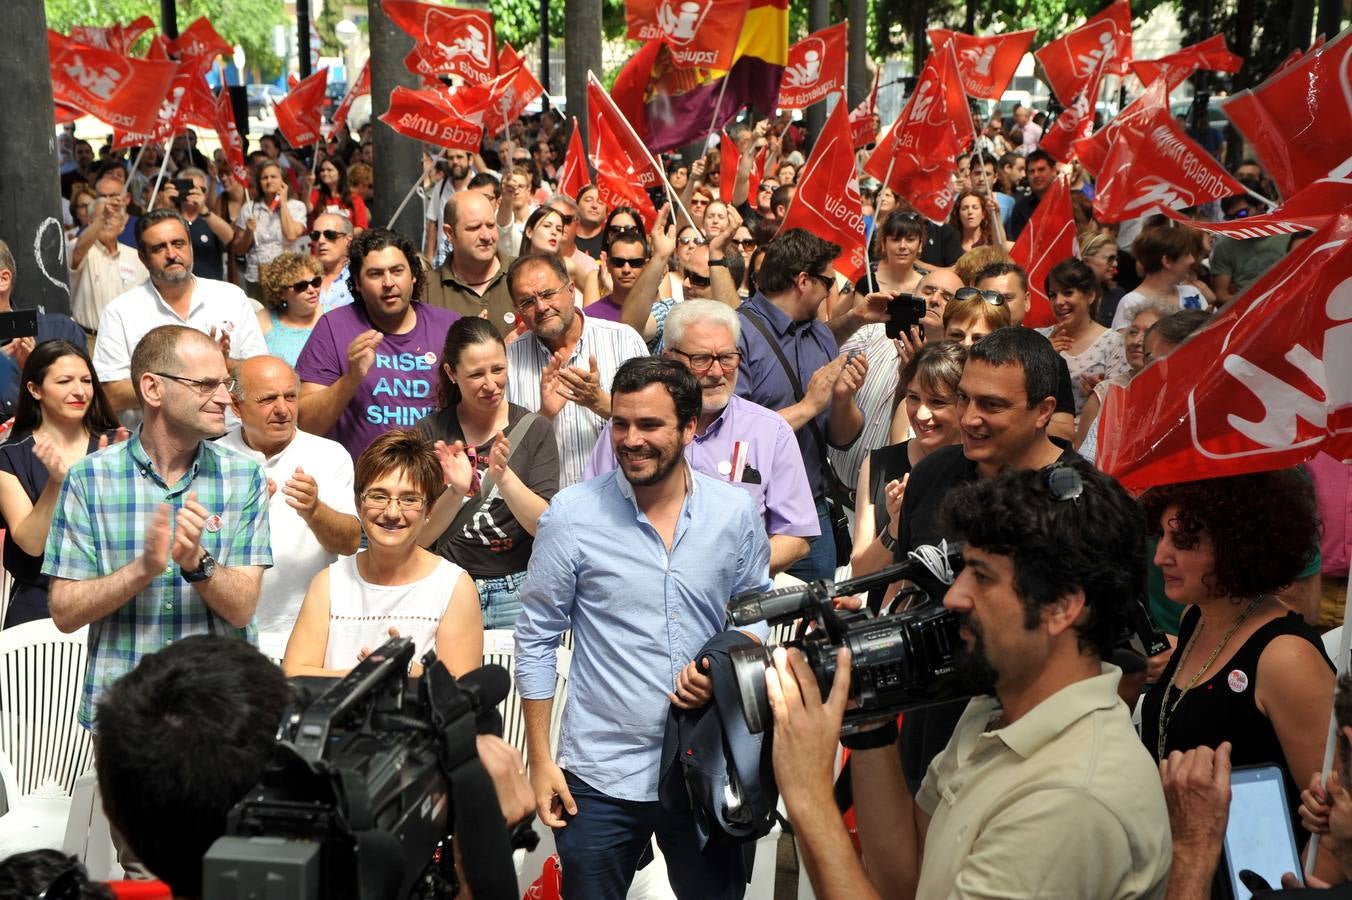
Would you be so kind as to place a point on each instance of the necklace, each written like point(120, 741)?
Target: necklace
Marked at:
point(1167, 711)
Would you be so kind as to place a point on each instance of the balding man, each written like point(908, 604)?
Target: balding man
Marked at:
point(473, 280)
point(312, 510)
point(164, 535)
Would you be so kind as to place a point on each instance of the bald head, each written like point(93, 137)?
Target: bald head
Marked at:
point(266, 396)
point(471, 224)
point(936, 289)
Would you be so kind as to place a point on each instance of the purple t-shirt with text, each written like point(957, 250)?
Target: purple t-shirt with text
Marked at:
point(401, 387)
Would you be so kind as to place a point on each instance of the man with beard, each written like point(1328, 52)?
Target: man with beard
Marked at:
point(171, 296)
point(1045, 789)
point(561, 366)
point(458, 175)
point(736, 441)
point(1041, 170)
point(641, 564)
point(473, 281)
point(371, 365)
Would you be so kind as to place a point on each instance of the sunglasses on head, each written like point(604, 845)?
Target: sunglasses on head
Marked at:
point(698, 280)
point(312, 283)
point(970, 293)
point(908, 216)
point(1063, 482)
point(328, 234)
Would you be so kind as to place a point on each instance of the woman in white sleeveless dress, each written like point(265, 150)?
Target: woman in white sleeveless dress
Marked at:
point(393, 587)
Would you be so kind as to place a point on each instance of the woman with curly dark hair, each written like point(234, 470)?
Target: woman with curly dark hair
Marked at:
point(1247, 669)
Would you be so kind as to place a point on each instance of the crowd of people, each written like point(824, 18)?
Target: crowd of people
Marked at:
point(270, 420)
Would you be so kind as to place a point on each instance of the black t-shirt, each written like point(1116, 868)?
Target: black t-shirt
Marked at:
point(886, 464)
point(207, 250)
point(592, 245)
point(943, 245)
point(1065, 398)
point(493, 543)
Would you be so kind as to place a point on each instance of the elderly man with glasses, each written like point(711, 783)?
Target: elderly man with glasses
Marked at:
point(562, 366)
point(164, 535)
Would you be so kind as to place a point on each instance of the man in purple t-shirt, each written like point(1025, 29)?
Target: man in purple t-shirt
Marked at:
point(372, 365)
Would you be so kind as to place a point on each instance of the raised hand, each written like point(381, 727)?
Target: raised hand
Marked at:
point(583, 387)
point(820, 385)
point(361, 353)
point(894, 494)
point(302, 493)
point(498, 456)
point(155, 557)
point(45, 449)
point(851, 379)
point(551, 387)
point(457, 471)
point(192, 518)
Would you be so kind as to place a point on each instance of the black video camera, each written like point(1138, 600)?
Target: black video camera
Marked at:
point(364, 790)
point(898, 661)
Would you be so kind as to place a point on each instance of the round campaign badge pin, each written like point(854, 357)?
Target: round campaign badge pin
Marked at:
point(1238, 681)
point(430, 357)
point(213, 523)
point(509, 317)
point(725, 468)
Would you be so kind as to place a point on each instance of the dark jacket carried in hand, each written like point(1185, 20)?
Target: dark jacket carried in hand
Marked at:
point(712, 764)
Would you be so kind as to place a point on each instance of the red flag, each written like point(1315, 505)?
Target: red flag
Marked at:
point(986, 64)
point(827, 200)
point(508, 58)
point(1165, 170)
point(300, 112)
point(200, 41)
point(729, 162)
point(126, 93)
point(359, 87)
point(67, 114)
point(1266, 385)
point(573, 176)
point(498, 102)
point(1071, 61)
point(190, 101)
point(700, 33)
point(1048, 239)
point(1074, 123)
point(1210, 54)
point(816, 68)
point(863, 124)
point(160, 48)
point(448, 39)
point(616, 180)
point(753, 181)
point(1300, 120)
point(1308, 209)
point(117, 38)
point(601, 109)
point(1132, 123)
point(427, 116)
point(231, 142)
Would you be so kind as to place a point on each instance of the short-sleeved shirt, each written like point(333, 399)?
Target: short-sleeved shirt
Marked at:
point(493, 543)
point(1063, 802)
point(807, 346)
point(99, 526)
point(448, 292)
point(401, 387)
point(1245, 261)
point(575, 427)
point(101, 277)
point(1187, 297)
point(269, 242)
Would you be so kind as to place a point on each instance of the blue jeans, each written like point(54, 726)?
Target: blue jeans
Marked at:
point(820, 561)
point(500, 599)
point(600, 847)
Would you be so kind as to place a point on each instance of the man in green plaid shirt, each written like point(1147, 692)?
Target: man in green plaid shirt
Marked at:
point(164, 535)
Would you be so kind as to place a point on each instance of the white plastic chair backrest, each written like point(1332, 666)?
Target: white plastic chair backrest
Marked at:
point(41, 679)
point(500, 649)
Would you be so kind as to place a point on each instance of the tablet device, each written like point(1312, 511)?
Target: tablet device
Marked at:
point(1258, 836)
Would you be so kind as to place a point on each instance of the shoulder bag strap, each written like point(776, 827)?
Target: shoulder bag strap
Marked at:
point(472, 506)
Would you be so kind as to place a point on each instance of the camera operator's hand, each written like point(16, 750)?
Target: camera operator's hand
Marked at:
point(693, 687)
point(552, 797)
point(807, 730)
point(508, 771)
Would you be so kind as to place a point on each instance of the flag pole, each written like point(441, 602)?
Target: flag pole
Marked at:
point(402, 203)
point(718, 105)
point(1340, 663)
point(159, 179)
point(1257, 196)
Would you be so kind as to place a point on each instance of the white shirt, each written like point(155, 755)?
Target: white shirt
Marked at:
point(100, 278)
point(297, 551)
point(215, 304)
point(269, 242)
point(1185, 295)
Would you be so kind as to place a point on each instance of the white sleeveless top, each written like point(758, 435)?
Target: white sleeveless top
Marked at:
point(361, 614)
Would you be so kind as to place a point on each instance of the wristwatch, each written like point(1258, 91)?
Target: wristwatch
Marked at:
point(889, 543)
point(206, 567)
point(715, 261)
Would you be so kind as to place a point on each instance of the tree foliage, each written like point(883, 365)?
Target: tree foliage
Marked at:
point(249, 23)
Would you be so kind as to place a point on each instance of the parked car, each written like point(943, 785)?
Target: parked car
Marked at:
point(262, 98)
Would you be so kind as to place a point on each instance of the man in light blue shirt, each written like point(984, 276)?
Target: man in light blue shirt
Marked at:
point(641, 563)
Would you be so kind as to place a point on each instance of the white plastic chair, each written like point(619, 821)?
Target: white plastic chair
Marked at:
point(89, 837)
point(44, 748)
point(500, 649)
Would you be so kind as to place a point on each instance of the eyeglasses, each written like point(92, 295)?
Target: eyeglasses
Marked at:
point(697, 280)
point(204, 386)
point(381, 500)
point(691, 241)
point(744, 243)
point(703, 362)
point(312, 283)
point(532, 299)
point(328, 234)
point(520, 160)
point(970, 293)
point(1064, 482)
point(619, 262)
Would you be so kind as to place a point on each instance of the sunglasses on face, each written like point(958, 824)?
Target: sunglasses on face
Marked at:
point(566, 218)
point(623, 229)
point(826, 281)
point(744, 243)
point(700, 281)
point(969, 293)
point(312, 283)
point(691, 241)
point(619, 262)
point(699, 201)
point(327, 234)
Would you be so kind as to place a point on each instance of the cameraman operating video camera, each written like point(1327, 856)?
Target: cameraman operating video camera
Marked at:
point(186, 734)
point(1044, 789)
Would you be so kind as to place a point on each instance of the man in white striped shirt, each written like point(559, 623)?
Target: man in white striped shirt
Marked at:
point(563, 366)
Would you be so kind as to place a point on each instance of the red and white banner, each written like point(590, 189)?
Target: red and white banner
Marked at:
point(699, 33)
point(1074, 123)
point(300, 112)
point(498, 102)
point(1266, 385)
point(199, 41)
point(987, 64)
point(815, 69)
point(126, 93)
point(426, 116)
point(602, 109)
point(359, 87)
point(508, 58)
point(1070, 62)
point(1131, 124)
point(231, 142)
point(827, 200)
point(1311, 208)
point(1048, 239)
point(573, 177)
point(1300, 119)
point(1166, 170)
point(864, 117)
point(616, 180)
point(447, 39)
point(1210, 54)
point(117, 38)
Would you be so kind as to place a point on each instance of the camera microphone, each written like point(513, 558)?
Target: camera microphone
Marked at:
point(489, 685)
